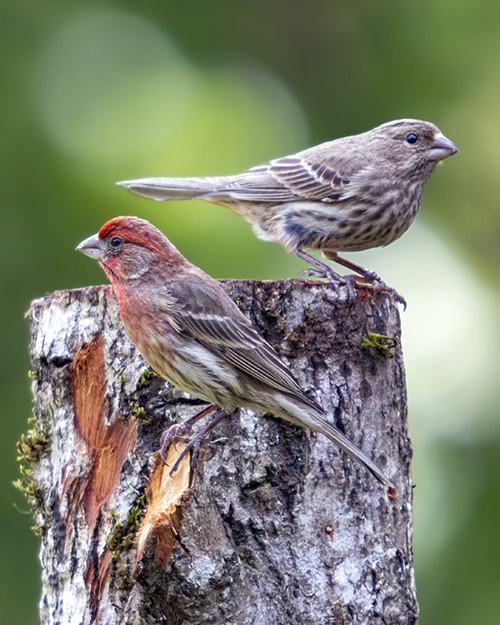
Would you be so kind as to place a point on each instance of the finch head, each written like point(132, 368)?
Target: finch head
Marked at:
point(412, 145)
point(128, 247)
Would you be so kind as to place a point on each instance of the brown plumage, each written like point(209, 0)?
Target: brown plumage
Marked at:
point(349, 194)
point(191, 332)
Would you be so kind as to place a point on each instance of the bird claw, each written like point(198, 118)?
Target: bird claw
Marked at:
point(350, 283)
point(175, 433)
point(368, 279)
point(179, 432)
point(393, 293)
point(182, 431)
point(192, 445)
point(334, 278)
point(375, 282)
point(311, 273)
point(365, 277)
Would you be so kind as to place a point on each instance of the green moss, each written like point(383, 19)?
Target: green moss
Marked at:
point(146, 378)
point(383, 344)
point(248, 558)
point(29, 449)
point(133, 400)
point(34, 442)
point(138, 411)
point(121, 540)
point(27, 485)
point(123, 534)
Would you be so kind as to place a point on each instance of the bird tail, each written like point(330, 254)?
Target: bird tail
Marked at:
point(315, 421)
point(163, 189)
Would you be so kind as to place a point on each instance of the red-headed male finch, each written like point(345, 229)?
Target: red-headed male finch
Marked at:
point(191, 332)
point(345, 195)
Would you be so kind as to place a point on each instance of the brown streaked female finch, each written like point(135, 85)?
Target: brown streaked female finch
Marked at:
point(191, 332)
point(345, 195)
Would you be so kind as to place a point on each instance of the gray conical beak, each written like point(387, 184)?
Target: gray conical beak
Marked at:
point(92, 247)
point(442, 147)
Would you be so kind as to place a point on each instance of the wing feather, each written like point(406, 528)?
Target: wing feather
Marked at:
point(214, 321)
point(285, 180)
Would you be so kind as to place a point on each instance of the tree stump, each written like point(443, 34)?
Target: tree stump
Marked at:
point(276, 527)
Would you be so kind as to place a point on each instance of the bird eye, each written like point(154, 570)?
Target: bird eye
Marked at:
point(411, 138)
point(115, 242)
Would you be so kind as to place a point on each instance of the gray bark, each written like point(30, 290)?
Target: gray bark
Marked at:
point(279, 527)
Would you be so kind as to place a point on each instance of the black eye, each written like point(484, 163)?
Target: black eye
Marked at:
point(411, 138)
point(115, 242)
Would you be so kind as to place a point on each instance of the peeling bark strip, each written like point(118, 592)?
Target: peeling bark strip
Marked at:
point(88, 386)
point(166, 496)
point(279, 527)
point(107, 446)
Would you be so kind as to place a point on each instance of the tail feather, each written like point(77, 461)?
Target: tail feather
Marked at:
point(319, 424)
point(163, 189)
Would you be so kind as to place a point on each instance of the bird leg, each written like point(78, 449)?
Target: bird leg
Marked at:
point(181, 431)
point(324, 271)
point(370, 276)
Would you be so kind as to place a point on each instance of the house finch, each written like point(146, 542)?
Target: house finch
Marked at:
point(345, 195)
point(192, 333)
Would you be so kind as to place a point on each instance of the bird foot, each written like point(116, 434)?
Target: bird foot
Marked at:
point(385, 288)
point(335, 279)
point(182, 431)
point(366, 278)
point(171, 436)
point(371, 280)
point(192, 445)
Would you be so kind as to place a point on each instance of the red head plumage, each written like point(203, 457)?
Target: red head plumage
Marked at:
point(139, 232)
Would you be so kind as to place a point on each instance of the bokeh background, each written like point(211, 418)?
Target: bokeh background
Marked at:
point(94, 92)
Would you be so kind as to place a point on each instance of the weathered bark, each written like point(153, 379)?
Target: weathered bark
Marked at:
point(279, 527)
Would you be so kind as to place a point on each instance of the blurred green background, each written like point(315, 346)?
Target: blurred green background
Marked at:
point(94, 92)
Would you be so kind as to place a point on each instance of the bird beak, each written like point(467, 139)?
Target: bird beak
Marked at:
point(442, 147)
point(92, 247)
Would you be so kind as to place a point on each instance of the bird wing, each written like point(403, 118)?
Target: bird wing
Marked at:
point(291, 178)
point(212, 319)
